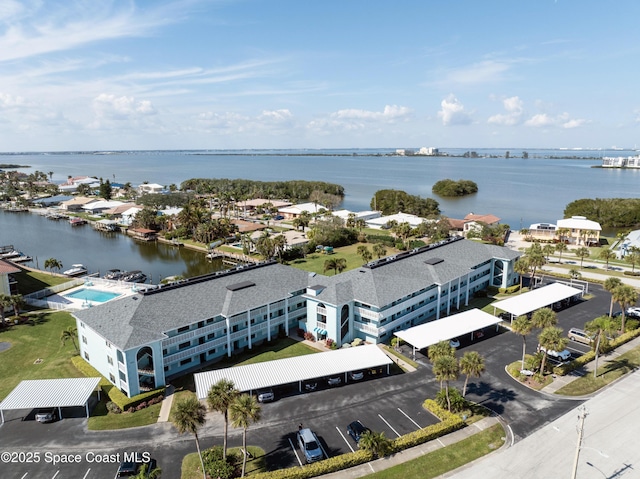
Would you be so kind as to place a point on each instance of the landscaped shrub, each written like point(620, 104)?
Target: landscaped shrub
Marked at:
point(510, 289)
point(215, 465)
point(309, 336)
point(458, 402)
point(113, 408)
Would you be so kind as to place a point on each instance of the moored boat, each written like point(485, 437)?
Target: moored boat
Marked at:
point(134, 277)
point(75, 221)
point(114, 274)
point(75, 270)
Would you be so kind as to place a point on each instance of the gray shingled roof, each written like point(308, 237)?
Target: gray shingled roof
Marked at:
point(136, 320)
point(386, 283)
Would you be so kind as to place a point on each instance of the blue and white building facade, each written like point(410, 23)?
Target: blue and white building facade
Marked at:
point(142, 341)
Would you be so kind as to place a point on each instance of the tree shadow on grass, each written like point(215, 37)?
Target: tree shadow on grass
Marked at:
point(618, 366)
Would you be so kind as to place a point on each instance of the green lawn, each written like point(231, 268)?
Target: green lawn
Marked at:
point(448, 458)
point(101, 419)
point(31, 281)
point(37, 341)
point(607, 373)
point(283, 348)
point(191, 463)
point(315, 262)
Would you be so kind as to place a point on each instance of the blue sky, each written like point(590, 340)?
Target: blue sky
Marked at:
point(190, 74)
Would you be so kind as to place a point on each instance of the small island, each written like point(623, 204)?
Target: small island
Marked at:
point(450, 188)
point(4, 166)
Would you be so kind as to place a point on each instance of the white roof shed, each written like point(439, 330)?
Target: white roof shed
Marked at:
point(536, 299)
point(50, 393)
point(290, 370)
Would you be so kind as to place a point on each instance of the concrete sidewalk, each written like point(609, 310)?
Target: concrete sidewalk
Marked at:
point(165, 409)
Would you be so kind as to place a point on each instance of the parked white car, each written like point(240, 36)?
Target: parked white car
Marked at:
point(564, 355)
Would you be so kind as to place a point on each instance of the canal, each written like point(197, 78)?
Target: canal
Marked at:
point(43, 238)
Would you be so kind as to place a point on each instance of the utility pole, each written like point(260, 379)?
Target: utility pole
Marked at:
point(582, 414)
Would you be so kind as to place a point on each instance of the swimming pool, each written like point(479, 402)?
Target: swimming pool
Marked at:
point(88, 294)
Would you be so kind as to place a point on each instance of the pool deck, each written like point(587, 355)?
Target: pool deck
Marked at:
point(99, 284)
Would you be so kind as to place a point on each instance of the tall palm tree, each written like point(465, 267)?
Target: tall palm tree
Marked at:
point(244, 410)
point(548, 250)
point(521, 267)
point(561, 248)
point(551, 339)
point(582, 253)
point(379, 250)
point(17, 301)
point(522, 326)
point(535, 256)
point(601, 328)
point(189, 416)
point(51, 264)
point(69, 334)
point(625, 296)
point(364, 253)
point(446, 368)
point(607, 255)
point(471, 364)
point(543, 318)
point(341, 264)
point(609, 285)
point(443, 348)
point(633, 259)
point(330, 264)
point(220, 397)
point(145, 473)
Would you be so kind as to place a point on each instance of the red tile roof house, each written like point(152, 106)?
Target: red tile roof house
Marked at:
point(472, 222)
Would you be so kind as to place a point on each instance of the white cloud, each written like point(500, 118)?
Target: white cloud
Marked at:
point(391, 113)
point(453, 113)
point(489, 71)
point(59, 26)
point(563, 120)
point(514, 112)
point(277, 116)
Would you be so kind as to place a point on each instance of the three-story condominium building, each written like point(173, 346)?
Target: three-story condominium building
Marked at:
point(142, 341)
point(401, 291)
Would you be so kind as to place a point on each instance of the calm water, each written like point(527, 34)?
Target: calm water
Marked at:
point(519, 191)
point(42, 238)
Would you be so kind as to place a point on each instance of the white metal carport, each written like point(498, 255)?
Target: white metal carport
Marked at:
point(50, 393)
point(290, 370)
point(536, 299)
point(444, 329)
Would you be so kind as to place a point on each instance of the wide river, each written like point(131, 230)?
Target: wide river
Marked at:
point(520, 191)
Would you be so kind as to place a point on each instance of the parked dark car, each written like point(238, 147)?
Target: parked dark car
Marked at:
point(356, 429)
point(334, 380)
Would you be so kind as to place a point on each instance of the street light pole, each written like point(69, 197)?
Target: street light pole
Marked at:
point(581, 417)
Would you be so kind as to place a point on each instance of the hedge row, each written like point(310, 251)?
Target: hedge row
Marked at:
point(509, 290)
point(450, 422)
point(577, 363)
point(109, 390)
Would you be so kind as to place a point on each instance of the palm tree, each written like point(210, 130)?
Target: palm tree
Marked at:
point(364, 253)
point(188, 416)
point(379, 250)
point(633, 259)
point(220, 397)
point(551, 339)
point(244, 410)
point(561, 248)
point(548, 250)
point(625, 296)
point(446, 368)
point(443, 348)
point(70, 334)
point(52, 264)
point(609, 285)
point(601, 328)
point(522, 326)
point(543, 318)
point(575, 274)
point(330, 264)
point(5, 302)
point(471, 364)
point(144, 472)
point(17, 301)
point(607, 255)
point(341, 265)
point(535, 256)
point(521, 267)
point(582, 253)
point(376, 443)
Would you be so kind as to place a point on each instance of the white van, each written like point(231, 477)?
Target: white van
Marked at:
point(580, 336)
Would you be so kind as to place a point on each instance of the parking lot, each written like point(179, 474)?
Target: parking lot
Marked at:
point(391, 404)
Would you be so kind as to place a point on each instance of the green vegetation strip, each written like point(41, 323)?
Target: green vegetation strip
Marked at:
point(36, 351)
point(608, 372)
point(283, 348)
point(315, 262)
point(32, 281)
point(191, 464)
point(448, 458)
point(102, 420)
point(401, 356)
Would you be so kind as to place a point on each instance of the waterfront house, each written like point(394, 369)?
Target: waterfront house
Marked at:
point(581, 231)
point(543, 231)
point(357, 215)
point(251, 206)
point(129, 214)
point(621, 162)
point(101, 206)
point(150, 188)
point(143, 234)
point(291, 212)
point(472, 222)
point(143, 341)
point(381, 222)
point(631, 241)
point(8, 284)
point(76, 204)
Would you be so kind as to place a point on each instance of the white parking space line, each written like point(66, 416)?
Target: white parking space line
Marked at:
point(345, 439)
point(85, 476)
point(390, 426)
point(323, 451)
point(56, 474)
point(295, 452)
point(25, 475)
point(407, 416)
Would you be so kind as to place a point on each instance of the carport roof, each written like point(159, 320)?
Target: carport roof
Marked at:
point(291, 370)
point(45, 393)
point(536, 299)
point(443, 329)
